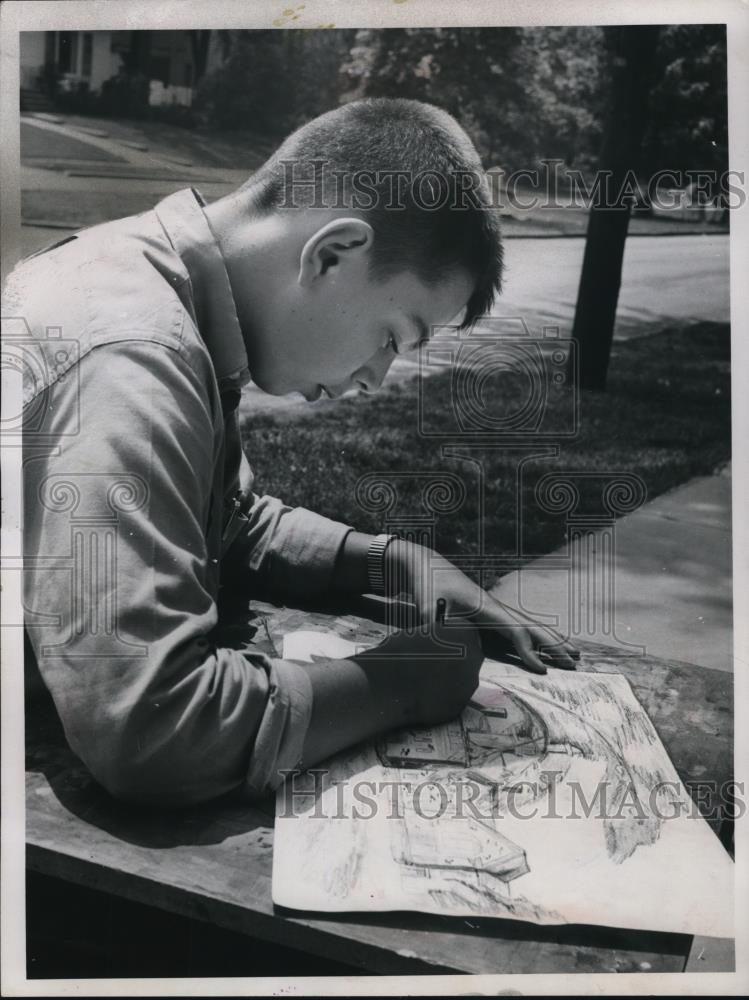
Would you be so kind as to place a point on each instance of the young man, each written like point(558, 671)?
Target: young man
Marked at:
point(138, 499)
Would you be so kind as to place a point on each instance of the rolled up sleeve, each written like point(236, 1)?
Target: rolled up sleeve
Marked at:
point(120, 595)
point(280, 736)
point(290, 552)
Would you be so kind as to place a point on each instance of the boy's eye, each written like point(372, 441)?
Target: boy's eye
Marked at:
point(393, 344)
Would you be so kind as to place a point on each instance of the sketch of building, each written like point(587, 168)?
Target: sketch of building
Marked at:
point(524, 746)
point(496, 728)
point(416, 748)
point(468, 843)
point(505, 746)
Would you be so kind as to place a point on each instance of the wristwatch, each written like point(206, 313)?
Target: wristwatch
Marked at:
point(376, 562)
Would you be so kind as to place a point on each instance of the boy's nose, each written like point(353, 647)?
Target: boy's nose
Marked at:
point(370, 376)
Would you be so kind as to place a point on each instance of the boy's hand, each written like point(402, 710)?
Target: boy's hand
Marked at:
point(410, 679)
point(429, 675)
point(428, 576)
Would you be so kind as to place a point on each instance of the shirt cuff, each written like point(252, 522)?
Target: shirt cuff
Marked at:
point(304, 552)
point(283, 728)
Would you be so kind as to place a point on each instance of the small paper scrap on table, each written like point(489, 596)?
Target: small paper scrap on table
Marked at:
point(551, 799)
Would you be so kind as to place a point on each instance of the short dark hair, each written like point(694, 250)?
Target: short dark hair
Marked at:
point(355, 153)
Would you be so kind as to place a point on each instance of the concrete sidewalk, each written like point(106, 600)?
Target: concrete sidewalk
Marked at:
point(672, 581)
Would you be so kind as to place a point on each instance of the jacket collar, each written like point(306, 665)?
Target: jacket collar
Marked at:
point(186, 225)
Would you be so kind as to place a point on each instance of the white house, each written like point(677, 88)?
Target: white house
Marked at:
point(172, 61)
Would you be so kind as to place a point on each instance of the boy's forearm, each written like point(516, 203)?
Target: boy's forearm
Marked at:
point(350, 703)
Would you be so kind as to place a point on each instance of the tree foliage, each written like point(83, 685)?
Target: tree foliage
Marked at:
point(477, 75)
point(689, 103)
point(273, 81)
point(567, 92)
point(523, 94)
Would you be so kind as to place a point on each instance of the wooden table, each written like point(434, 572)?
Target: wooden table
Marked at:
point(213, 863)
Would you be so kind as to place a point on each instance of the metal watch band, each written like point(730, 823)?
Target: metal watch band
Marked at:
point(376, 563)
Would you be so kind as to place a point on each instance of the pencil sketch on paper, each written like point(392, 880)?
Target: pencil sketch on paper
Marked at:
point(550, 799)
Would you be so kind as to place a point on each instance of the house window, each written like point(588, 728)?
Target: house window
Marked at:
point(88, 48)
point(188, 75)
point(67, 56)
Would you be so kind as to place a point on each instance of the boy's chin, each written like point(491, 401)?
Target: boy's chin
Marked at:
point(275, 387)
point(312, 395)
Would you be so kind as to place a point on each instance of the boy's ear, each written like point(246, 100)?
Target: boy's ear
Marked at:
point(332, 244)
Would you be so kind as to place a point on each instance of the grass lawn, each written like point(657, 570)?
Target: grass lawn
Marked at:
point(665, 417)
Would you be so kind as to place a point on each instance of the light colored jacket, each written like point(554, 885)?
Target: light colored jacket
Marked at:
point(137, 498)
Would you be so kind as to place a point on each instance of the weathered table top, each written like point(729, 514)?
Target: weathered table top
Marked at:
point(214, 862)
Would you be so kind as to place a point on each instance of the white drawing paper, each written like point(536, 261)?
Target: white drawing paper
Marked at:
point(551, 799)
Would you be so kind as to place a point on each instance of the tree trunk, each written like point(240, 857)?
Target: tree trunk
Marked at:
point(631, 54)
